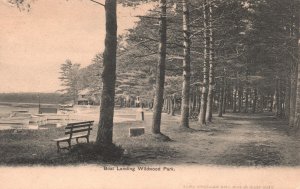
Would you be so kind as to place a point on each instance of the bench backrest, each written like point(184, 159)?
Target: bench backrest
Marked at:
point(79, 127)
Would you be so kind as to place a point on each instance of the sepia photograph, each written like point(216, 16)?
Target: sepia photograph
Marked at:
point(138, 94)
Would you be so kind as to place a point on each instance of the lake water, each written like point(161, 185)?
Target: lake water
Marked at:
point(78, 113)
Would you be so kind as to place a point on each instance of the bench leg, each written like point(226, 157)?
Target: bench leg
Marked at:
point(58, 147)
point(77, 140)
point(87, 140)
point(69, 142)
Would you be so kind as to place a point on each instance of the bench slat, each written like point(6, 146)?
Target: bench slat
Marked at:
point(68, 138)
point(78, 131)
point(84, 122)
point(62, 139)
point(79, 136)
point(79, 125)
point(75, 123)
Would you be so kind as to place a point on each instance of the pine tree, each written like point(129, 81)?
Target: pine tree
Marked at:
point(161, 66)
point(186, 67)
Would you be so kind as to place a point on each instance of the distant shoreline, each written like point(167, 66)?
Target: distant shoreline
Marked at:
point(31, 99)
point(20, 104)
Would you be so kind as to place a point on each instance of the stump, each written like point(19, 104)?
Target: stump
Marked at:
point(139, 115)
point(137, 131)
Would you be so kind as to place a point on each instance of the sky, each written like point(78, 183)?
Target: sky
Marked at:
point(34, 44)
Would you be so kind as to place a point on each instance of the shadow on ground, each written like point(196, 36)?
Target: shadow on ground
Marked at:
point(234, 140)
point(251, 154)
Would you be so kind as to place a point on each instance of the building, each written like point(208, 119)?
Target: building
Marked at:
point(85, 97)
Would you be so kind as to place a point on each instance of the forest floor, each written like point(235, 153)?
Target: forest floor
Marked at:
point(234, 140)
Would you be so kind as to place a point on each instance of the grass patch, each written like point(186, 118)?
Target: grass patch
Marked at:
point(227, 141)
point(252, 154)
point(95, 152)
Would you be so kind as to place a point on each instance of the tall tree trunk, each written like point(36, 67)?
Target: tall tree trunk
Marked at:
point(105, 126)
point(210, 95)
point(186, 66)
point(229, 96)
point(281, 99)
point(203, 104)
point(161, 66)
point(263, 102)
point(221, 98)
point(235, 98)
point(293, 94)
point(224, 106)
point(168, 105)
point(254, 101)
point(192, 101)
point(198, 102)
point(171, 105)
point(240, 100)
point(173, 102)
point(297, 112)
point(271, 102)
point(165, 106)
point(287, 98)
point(277, 98)
point(246, 100)
point(294, 72)
point(250, 100)
point(260, 103)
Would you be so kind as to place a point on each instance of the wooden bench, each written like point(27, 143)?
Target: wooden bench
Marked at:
point(81, 128)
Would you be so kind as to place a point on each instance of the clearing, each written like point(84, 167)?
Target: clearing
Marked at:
point(234, 140)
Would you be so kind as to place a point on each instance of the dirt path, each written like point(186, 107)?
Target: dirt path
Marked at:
point(235, 139)
point(260, 140)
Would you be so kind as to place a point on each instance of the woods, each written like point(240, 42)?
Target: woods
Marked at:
point(229, 56)
point(196, 59)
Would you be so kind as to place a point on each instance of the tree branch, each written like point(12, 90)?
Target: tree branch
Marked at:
point(98, 3)
point(150, 17)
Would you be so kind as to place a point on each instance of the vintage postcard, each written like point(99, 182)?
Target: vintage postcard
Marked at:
point(138, 94)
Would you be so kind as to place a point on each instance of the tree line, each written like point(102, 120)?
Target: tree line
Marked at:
point(238, 55)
